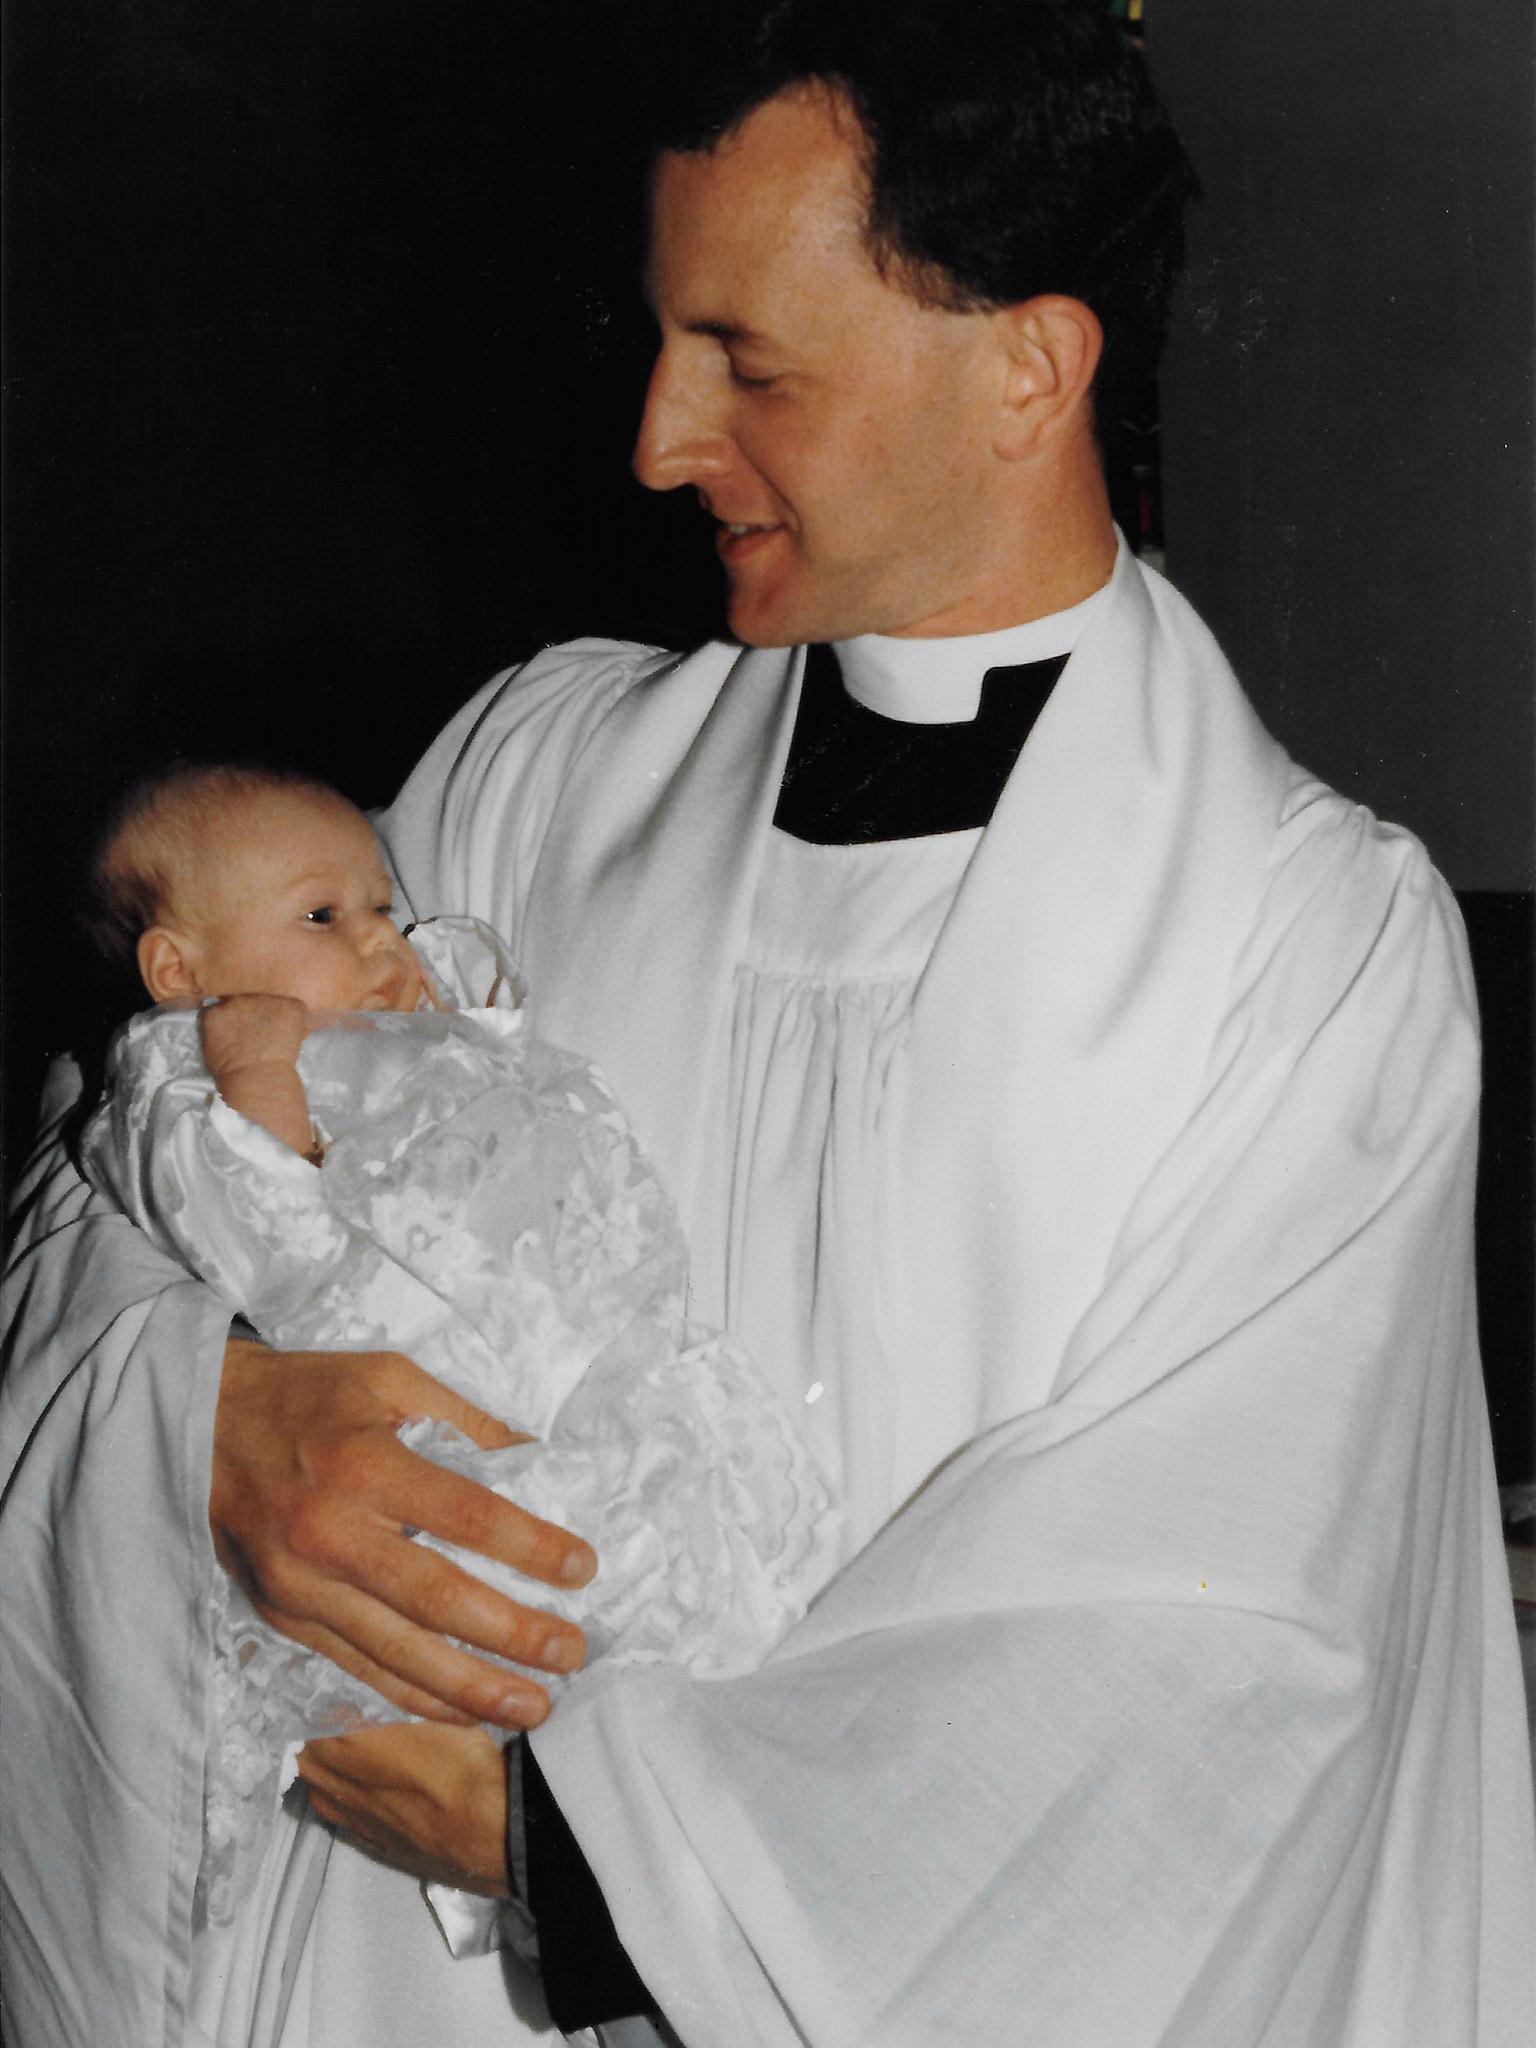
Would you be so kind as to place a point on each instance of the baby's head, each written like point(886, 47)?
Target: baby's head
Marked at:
point(218, 881)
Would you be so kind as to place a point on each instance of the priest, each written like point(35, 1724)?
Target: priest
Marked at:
point(1068, 1099)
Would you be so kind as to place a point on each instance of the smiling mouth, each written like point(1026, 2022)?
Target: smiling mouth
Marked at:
point(733, 538)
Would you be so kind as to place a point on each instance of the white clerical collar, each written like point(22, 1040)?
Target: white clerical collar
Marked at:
point(938, 682)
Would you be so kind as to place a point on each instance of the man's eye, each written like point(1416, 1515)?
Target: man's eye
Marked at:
point(745, 383)
point(323, 915)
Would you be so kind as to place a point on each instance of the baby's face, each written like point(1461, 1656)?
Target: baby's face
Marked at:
point(295, 902)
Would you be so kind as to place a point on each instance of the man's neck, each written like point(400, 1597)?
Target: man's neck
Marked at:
point(1060, 550)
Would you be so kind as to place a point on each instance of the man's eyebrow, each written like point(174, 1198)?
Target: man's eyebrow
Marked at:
point(731, 332)
point(723, 330)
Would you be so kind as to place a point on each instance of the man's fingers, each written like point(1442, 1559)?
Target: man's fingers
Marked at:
point(315, 1505)
point(416, 1393)
point(458, 1511)
point(410, 1699)
point(430, 1800)
point(311, 1490)
point(416, 1657)
point(437, 1596)
point(376, 1761)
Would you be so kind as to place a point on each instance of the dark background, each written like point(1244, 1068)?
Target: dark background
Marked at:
point(323, 356)
point(1347, 464)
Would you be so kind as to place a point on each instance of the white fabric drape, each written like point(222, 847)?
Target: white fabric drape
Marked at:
point(106, 1419)
point(835, 948)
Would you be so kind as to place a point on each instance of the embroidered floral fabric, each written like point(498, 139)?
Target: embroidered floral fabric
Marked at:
point(483, 1205)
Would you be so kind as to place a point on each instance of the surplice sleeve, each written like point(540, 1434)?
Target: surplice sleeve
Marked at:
point(113, 1362)
point(465, 833)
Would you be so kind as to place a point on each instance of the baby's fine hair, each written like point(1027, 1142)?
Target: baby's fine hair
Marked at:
point(154, 833)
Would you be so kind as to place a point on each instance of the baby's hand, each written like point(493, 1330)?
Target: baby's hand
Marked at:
point(250, 1046)
point(241, 1032)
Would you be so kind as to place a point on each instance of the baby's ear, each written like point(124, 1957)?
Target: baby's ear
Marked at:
point(165, 964)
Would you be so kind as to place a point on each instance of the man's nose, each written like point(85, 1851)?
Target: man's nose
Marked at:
point(680, 441)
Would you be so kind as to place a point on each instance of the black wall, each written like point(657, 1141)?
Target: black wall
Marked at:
point(1348, 402)
point(322, 363)
point(1348, 457)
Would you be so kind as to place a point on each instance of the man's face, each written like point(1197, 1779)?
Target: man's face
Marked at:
point(839, 433)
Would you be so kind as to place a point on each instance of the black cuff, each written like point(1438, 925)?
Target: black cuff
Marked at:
point(588, 1977)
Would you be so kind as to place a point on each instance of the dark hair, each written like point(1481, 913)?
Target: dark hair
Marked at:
point(153, 826)
point(1016, 147)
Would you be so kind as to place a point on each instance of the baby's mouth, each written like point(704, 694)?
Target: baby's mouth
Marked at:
point(388, 993)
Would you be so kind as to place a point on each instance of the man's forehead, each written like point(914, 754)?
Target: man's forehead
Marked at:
point(806, 119)
point(786, 187)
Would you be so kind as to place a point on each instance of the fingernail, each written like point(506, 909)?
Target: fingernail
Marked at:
point(519, 1710)
point(564, 1652)
point(578, 1566)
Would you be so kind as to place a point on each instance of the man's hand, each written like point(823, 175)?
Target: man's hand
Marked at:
point(312, 1493)
point(432, 1801)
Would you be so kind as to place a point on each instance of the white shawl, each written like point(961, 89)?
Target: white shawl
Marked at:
point(1181, 1705)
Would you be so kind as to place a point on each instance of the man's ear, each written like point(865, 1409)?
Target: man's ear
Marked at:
point(1052, 346)
point(167, 967)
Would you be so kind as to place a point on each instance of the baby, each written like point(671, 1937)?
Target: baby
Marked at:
point(355, 1137)
point(269, 894)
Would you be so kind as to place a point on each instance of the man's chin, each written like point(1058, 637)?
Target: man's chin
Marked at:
point(764, 638)
point(803, 617)
point(756, 624)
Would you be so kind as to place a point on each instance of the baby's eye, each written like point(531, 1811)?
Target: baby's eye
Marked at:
point(323, 915)
point(384, 910)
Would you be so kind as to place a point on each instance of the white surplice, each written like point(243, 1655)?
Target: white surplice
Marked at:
point(1181, 1704)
